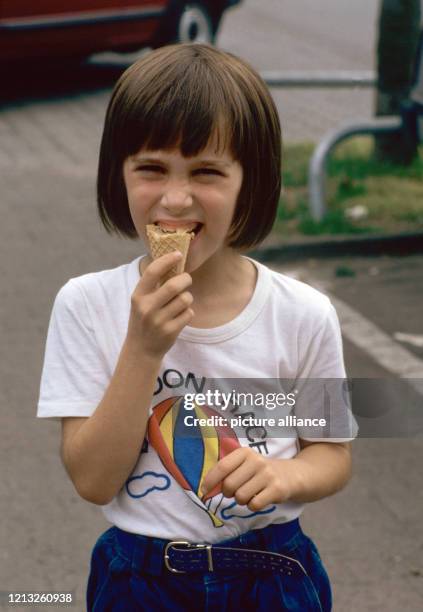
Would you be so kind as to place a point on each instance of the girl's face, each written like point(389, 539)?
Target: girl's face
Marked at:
point(198, 192)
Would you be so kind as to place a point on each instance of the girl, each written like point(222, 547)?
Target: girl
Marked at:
point(192, 139)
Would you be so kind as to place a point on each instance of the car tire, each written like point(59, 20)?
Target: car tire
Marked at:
point(188, 22)
point(195, 25)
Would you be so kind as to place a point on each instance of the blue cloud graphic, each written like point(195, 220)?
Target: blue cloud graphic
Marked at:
point(153, 482)
point(243, 509)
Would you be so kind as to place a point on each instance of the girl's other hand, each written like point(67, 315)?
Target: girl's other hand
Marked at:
point(158, 314)
point(254, 480)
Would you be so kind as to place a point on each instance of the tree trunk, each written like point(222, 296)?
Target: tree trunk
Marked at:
point(399, 29)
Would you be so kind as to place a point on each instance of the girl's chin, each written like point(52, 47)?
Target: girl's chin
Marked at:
point(192, 265)
point(195, 261)
point(198, 260)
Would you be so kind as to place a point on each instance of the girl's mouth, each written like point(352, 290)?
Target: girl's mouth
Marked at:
point(197, 229)
point(171, 227)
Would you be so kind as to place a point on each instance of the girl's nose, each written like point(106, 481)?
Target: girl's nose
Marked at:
point(176, 200)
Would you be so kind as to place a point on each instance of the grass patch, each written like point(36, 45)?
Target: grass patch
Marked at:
point(389, 197)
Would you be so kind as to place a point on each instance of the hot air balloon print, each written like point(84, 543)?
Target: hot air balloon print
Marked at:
point(188, 452)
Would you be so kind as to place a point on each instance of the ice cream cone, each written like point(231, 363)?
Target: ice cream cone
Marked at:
point(166, 241)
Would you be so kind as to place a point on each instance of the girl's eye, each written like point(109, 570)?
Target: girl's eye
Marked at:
point(150, 168)
point(208, 171)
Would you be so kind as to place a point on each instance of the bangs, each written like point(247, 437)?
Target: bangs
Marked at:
point(172, 110)
point(184, 132)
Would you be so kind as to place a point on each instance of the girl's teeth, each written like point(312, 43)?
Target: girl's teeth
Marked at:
point(189, 227)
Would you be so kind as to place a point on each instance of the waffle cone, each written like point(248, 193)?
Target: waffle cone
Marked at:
point(163, 243)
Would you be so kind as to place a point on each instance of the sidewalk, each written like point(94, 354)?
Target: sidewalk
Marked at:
point(367, 533)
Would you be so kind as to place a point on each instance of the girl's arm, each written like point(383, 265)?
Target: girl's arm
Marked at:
point(100, 453)
point(318, 470)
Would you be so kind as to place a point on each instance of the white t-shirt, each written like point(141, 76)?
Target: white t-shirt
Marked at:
point(287, 332)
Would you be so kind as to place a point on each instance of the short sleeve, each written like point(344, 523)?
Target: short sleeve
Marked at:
point(322, 387)
point(74, 375)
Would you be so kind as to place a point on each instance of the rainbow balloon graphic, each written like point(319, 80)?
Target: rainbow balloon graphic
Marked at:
point(189, 452)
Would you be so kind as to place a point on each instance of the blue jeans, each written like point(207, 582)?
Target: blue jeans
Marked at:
point(127, 575)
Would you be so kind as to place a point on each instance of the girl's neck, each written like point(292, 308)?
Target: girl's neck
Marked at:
point(220, 275)
point(221, 291)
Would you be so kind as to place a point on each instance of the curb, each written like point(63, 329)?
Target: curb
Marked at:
point(339, 246)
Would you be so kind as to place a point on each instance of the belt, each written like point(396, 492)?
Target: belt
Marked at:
point(250, 551)
point(181, 557)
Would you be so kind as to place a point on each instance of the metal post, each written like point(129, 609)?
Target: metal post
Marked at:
point(317, 168)
point(320, 78)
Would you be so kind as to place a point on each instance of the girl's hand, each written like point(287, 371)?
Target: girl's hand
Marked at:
point(158, 314)
point(255, 481)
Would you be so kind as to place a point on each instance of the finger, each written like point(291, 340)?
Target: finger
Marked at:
point(239, 477)
point(179, 322)
point(157, 269)
point(222, 469)
point(261, 500)
point(172, 288)
point(175, 307)
point(245, 493)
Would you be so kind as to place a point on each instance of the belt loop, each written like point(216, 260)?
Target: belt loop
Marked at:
point(147, 556)
point(264, 537)
point(283, 537)
point(156, 557)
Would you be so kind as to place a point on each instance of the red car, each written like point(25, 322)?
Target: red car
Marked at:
point(69, 28)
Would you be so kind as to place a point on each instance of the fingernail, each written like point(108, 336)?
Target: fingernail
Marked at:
point(178, 254)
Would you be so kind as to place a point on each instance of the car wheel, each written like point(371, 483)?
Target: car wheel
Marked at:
point(195, 25)
point(187, 22)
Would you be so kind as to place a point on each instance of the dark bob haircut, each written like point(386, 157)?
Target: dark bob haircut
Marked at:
point(182, 96)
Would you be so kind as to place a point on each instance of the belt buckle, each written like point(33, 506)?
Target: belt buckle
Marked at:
point(184, 544)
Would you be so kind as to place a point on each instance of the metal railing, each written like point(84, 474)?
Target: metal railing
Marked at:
point(317, 167)
point(321, 78)
point(410, 123)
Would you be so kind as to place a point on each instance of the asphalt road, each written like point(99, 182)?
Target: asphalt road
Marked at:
point(49, 141)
